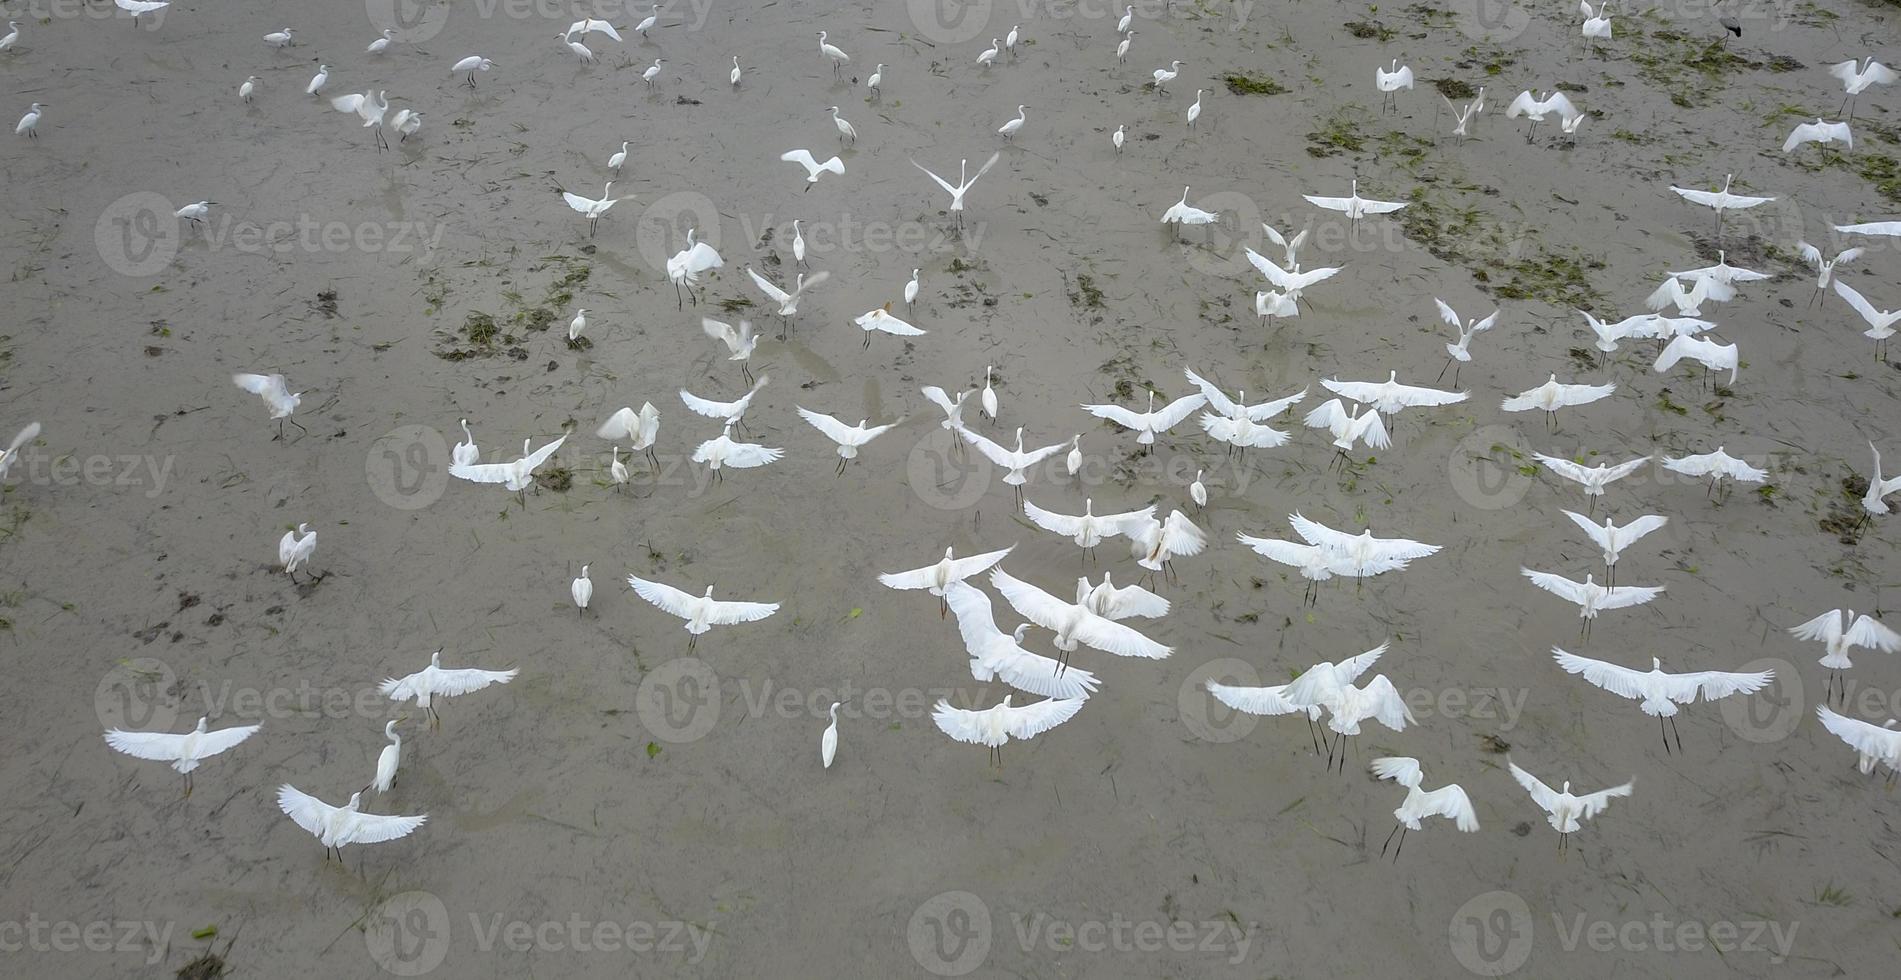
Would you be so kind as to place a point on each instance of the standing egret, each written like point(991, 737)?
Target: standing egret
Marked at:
point(337, 826)
point(989, 399)
point(964, 183)
point(1859, 76)
point(1009, 129)
point(812, 166)
point(1873, 744)
point(1194, 111)
point(1148, 424)
point(1122, 48)
point(1089, 528)
point(275, 393)
point(701, 613)
point(1389, 81)
point(1824, 267)
point(1566, 813)
point(831, 52)
point(1162, 76)
point(582, 588)
point(591, 208)
point(1447, 801)
point(1010, 40)
point(1459, 351)
point(1720, 200)
point(722, 451)
point(185, 751)
point(1553, 395)
point(248, 89)
point(1014, 460)
point(281, 39)
point(619, 159)
point(466, 451)
point(740, 341)
point(318, 81)
point(798, 243)
point(1072, 623)
point(845, 130)
point(997, 725)
point(1842, 631)
point(1117, 138)
point(1536, 109)
point(936, 578)
point(387, 760)
point(989, 54)
point(515, 476)
point(31, 431)
point(848, 438)
point(194, 214)
point(470, 65)
point(295, 548)
point(382, 44)
point(643, 427)
point(1353, 205)
point(1592, 478)
point(436, 681)
point(875, 84)
point(1182, 213)
point(1198, 492)
point(1659, 692)
point(617, 470)
point(828, 742)
point(1880, 322)
point(1128, 17)
point(787, 303)
point(652, 72)
point(1613, 539)
point(996, 655)
point(1590, 597)
point(734, 76)
point(646, 23)
point(685, 266)
point(582, 53)
point(1717, 465)
point(910, 292)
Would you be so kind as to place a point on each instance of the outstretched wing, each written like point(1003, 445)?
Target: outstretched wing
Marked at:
point(1051, 521)
point(303, 809)
point(156, 746)
point(1543, 795)
point(1029, 720)
point(1621, 681)
point(1398, 768)
point(463, 680)
point(667, 598)
point(1558, 585)
point(1254, 700)
point(1172, 414)
point(1868, 633)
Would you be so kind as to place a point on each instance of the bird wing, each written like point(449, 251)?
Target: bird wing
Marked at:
point(1450, 801)
point(620, 425)
point(1125, 522)
point(348, 103)
point(1871, 228)
point(1642, 526)
point(270, 387)
point(1584, 394)
point(722, 331)
point(483, 472)
point(1038, 674)
point(374, 828)
point(156, 746)
point(1171, 414)
point(1389, 708)
point(303, 809)
point(772, 292)
point(726, 613)
point(810, 282)
point(1400, 549)
point(1134, 600)
point(1398, 768)
point(1621, 681)
point(577, 202)
point(963, 568)
point(948, 189)
point(1595, 531)
point(1625, 596)
point(1254, 700)
point(1117, 414)
point(1558, 585)
point(1859, 302)
point(1625, 468)
point(990, 450)
point(1593, 804)
point(1679, 347)
point(213, 743)
point(1804, 133)
point(1809, 253)
point(1558, 101)
point(975, 621)
point(540, 456)
point(1868, 633)
point(746, 455)
point(1038, 606)
point(1820, 628)
point(1180, 536)
point(1274, 273)
point(983, 169)
point(1715, 684)
point(833, 429)
point(1276, 550)
point(1051, 521)
point(959, 723)
point(1330, 203)
point(1521, 105)
point(1024, 721)
point(936, 396)
point(1860, 735)
point(1543, 795)
point(1217, 400)
point(1267, 410)
point(1563, 467)
point(1410, 395)
point(1705, 198)
point(463, 680)
point(1316, 533)
point(665, 597)
point(708, 407)
point(1328, 415)
point(1449, 315)
point(1374, 434)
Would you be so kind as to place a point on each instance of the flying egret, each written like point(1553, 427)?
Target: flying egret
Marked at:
point(406, 122)
point(848, 438)
point(1712, 355)
point(1824, 267)
point(368, 106)
point(1536, 109)
point(1467, 329)
point(1462, 117)
point(1880, 322)
point(722, 451)
point(701, 613)
point(1237, 423)
point(881, 321)
point(1659, 692)
point(1361, 555)
point(248, 89)
point(1722, 272)
point(642, 427)
point(953, 411)
point(1612, 538)
point(831, 52)
point(139, 8)
point(1565, 812)
point(875, 84)
point(591, 208)
point(387, 760)
point(1378, 700)
point(31, 431)
point(1321, 684)
point(812, 167)
point(1590, 597)
point(1717, 466)
point(184, 752)
point(1268, 303)
point(788, 303)
point(988, 56)
point(295, 548)
point(470, 65)
point(1122, 48)
point(382, 44)
point(845, 130)
point(281, 39)
point(582, 53)
point(1873, 744)
point(1117, 138)
point(1194, 111)
point(1162, 76)
point(1353, 205)
point(582, 588)
point(273, 390)
point(1348, 427)
point(1859, 76)
point(997, 655)
point(1148, 424)
point(1266, 701)
point(740, 341)
point(1689, 302)
point(996, 725)
point(1316, 564)
point(989, 399)
point(828, 742)
point(1447, 801)
point(338, 826)
point(589, 25)
point(1089, 528)
point(1015, 460)
point(1841, 631)
point(1106, 600)
point(1870, 501)
point(734, 76)
point(910, 291)
point(652, 72)
point(516, 476)
point(1597, 22)
point(1182, 213)
point(936, 578)
point(731, 411)
point(685, 267)
point(1592, 478)
point(1009, 129)
point(1389, 80)
point(1155, 544)
point(1291, 281)
point(1822, 133)
point(1073, 623)
point(1290, 245)
point(1720, 200)
point(1553, 395)
point(436, 681)
point(646, 23)
point(1390, 397)
point(964, 183)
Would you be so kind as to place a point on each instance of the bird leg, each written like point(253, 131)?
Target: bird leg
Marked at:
point(1443, 370)
point(188, 785)
point(1389, 839)
point(842, 462)
point(1312, 732)
point(1402, 844)
point(1679, 735)
point(1661, 733)
point(678, 303)
point(692, 640)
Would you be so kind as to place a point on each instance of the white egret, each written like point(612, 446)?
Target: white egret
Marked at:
point(368, 106)
point(1590, 597)
point(1536, 109)
point(1182, 213)
point(1326, 681)
point(1117, 138)
point(1597, 22)
point(828, 742)
point(1361, 555)
point(734, 76)
point(1010, 40)
point(910, 291)
point(989, 399)
point(1317, 564)
point(295, 548)
point(1155, 544)
point(1291, 280)
point(964, 183)
point(31, 431)
point(1658, 692)
point(832, 53)
point(1353, 205)
point(722, 451)
point(1390, 80)
point(1106, 600)
point(1009, 129)
point(1613, 539)
point(1880, 322)
point(953, 410)
point(582, 53)
point(194, 214)
point(590, 25)
point(1824, 267)
point(406, 122)
point(437, 681)
point(582, 588)
point(593, 209)
point(1378, 700)
point(1870, 501)
point(382, 44)
point(139, 8)
point(845, 129)
point(1553, 395)
point(652, 72)
point(997, 655)
point(281, 39)
point(1390, 397)
point(466, 451)
point(470, 65)
point(647, 23)
point(515, 476)
point(1873, 744)
point(1266, 701)
point(642, 427)
point(1349, 426)
point(1237, 423)
point(1859, 76)
point(1002, 722)
point(876, 82)
point(1015, 460)
point(1089, 528)
point(1162, 76)
point(740, 341)
point(1290, 245)
point(387, 760)
point(276, 395)
point(1468, 328)
point(576, 325)
point(1717, 466)
point(685, 267)
point(1841, 631)
point(788, 303)
point(881, 321)
point(1722, 272)
point(617, 470)
point(988, 56)
point(248, 89)
point(701, 613)
point(1194, 111)
point(1148, 424)
point(848, 438)
point(1820, 132)
point(1592, 478)
point(1721, 200)
point(1609, 334)
point(1073, 624)
point(1122, 48)
point(1198, 492)
point(1074, 461)
point(338, 826)
point(812, 167)
point(185, 751)
point(724, 411)
point(1712, 355)
point(1565, 812)
point(1689, 302)
point(1462, 117)
point(936, 578)
point(1447, 801)
point(798, 243)
point(1268, 303)
point(318, 81)
point(1128, 17)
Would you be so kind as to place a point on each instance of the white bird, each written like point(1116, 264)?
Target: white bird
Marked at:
point(274, 391)
point(1010, 40)
point(1002, 722)
point(1106, 600)
point(647, 22)
point(1689, 302)
point(1859, 76)
point(1880, 322)
point(1291, 280)
point(1613, 539)
point(1609, 334)
point(1566, 813)
point(812, 167)
point(848, 438)
point(643, 427)
point(1353, 205)
point(910, 291)
point(788, 303)
point(1824, 267)
point(1348, 427)
point(617, 470)
point(728, 412)
point(1597, 23)
point(828, 742)
point(1822, 132)
point(406, 122)
point(989, 399)
point(798, 243)
point(953, 410)
point(1872, 744)
point(1447, 801)
point(989, 55)
point(1014, 460)
point(1266, 701)
point(591, 26)
point(249, 88)
point(1378, 700)
point(591, 208)
point(578, 324)
point(1198, 491)
point(31, 431)
point(1148, 424)
point(1712, 355)
point(338, 826)
point(652, 72)
point(1326, 681)
point(295, 548)
point(516, 476)
point(997, 655)
point(1592, 478)
point(1390, 396)
point(1716, 465)
point(1659, 692)
point(1122, 47)
point(1361, 554)
point(1155, 544)
point(1009, 129)
point(138, 8)
point(1268, 303)
point(582, 53)
point(318, 81)
point(1117, 138)
point(832, 53)
point(1073, 623)
point(1194, 111)
point(845, 130)
point(387, 760)
point(1656, 326)
point(1722, 272)
point(184, 752)
point(685, 267)
point(281, 39)
point(1841, 631)
point(722, 451)
point(1128, 17)
point(1089, 528)
point(1316, 563)
point(466, 451)
point(1290, 246)
point(740, 341)
point(1389, 80)
point(734, 76)
point(1460, 350)
point(1536, 109)
point(1589, 597)
point(582, 588)
point(1553, 395)
point(936, 578)
point(964, 182)
point(1182, 213)
point(701, 613)
point(194, 213)
point(470, 65)
point(1870, 501)
point(1239, 424)
point(880, 320)
point(1721, 200)
point(382, 44)
point(435, 681)
point(1074, 461)
point(368, 106)
point(876, 82)
point(1162, 76)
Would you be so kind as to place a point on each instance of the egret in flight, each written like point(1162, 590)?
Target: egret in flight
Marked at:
point(184, 752)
